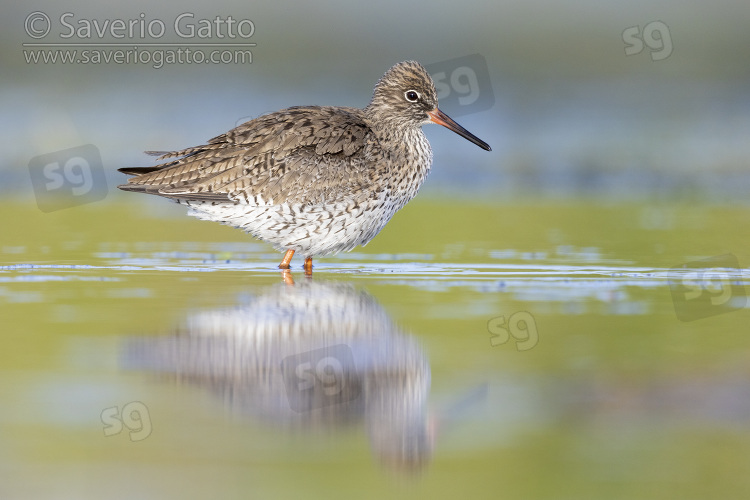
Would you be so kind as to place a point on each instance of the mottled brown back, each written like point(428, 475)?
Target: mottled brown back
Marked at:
point(297, 154)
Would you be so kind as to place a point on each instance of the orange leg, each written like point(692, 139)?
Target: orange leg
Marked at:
point(286, 260)
point(308, 266)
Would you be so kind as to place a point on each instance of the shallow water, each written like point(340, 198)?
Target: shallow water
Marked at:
point(533, 349)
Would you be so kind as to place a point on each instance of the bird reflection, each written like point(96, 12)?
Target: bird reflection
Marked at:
point(309, 355)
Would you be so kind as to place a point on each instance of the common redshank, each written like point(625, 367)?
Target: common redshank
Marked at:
point(316, 180)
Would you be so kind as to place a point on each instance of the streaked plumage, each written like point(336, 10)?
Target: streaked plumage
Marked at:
point(315, 179)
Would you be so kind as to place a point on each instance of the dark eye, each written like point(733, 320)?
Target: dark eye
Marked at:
point(412, 95)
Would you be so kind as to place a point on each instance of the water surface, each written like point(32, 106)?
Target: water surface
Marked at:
point(532, 349)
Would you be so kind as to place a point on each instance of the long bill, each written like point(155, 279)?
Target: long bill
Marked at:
point(437, 116)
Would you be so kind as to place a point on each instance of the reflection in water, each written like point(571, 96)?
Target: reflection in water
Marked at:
point(311, 355)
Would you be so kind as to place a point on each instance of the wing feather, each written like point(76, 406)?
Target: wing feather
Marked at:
point(301, 153)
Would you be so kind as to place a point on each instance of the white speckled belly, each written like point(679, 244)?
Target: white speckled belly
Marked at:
point(311, 230)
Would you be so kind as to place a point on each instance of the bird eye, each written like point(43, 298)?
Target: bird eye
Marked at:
point(411, 95)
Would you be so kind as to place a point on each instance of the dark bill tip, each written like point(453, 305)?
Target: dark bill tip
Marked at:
point(437, 116)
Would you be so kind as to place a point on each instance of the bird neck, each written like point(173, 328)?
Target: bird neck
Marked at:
point(404, 159)
point(392, 132)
